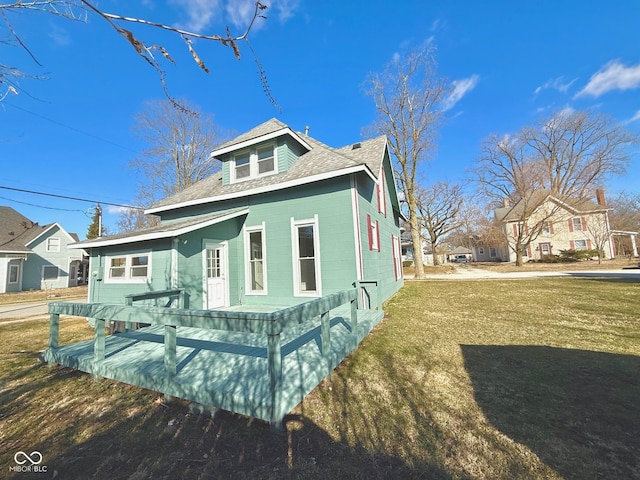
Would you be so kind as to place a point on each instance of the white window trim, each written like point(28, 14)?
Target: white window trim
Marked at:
point(573, 221)
point(253, 164)
point(50, 279)
point(247, 260)
point(17, 267)
point(127, 268)
point(575, 244)
point(56, 248)
point(382, 194)
point(296, 256)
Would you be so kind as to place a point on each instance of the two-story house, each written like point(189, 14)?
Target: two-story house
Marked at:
point(286, 219)
point(36, 257)
point(545, 224)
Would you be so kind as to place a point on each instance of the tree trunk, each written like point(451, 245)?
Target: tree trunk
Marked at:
point(417, 245)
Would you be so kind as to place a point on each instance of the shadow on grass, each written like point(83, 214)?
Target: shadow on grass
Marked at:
point(577, 410)
point(132, 435)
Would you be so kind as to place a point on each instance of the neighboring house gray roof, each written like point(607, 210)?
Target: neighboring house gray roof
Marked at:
point(537, 198)
point(17, 231)
point(320, 161)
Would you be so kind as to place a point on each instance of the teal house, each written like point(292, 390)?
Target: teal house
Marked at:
point(286, 219)
point(275, 269)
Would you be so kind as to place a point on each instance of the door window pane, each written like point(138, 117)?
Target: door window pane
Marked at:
point(213, 263)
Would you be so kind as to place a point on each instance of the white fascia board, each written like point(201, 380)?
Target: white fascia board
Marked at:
point(158, 235)
point(268, 188)
point(262, 138)
point(50, 227)
point(15, 252)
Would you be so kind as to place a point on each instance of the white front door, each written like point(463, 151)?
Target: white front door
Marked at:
point(216, 276)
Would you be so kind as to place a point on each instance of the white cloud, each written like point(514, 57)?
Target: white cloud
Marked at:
point(557, 84)
point(613, 76)
point(635, 118)
point(60, 36)
point(460, 89)
point(201, 13)
point(285, 8)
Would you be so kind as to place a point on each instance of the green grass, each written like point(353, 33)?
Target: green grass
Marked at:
point(519, 379)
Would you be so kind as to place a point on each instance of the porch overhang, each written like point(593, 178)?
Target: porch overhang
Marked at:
point(163, 231)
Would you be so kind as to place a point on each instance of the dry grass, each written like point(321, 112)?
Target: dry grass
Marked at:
point(526, 379)
point(52, 294)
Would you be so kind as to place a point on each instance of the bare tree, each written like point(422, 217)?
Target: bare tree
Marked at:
point(409, 99)
point(178, 154)
point(564, 156)
point(438, 209)
point(470, 218)
point(576, 150)
point(81, 9)
point(625, 217)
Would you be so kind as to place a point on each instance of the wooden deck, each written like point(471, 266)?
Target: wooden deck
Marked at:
point(254, 363)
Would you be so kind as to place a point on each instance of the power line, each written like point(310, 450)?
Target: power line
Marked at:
point(70, 127)
point(42, 206)
point(70, 198)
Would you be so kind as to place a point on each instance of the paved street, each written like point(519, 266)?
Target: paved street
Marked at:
point(22, 311)
point(465, 272)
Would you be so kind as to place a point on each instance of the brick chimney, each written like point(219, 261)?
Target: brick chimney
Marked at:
point(600, 196)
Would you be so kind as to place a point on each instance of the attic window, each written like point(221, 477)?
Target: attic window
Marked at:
point(355, 146)
point(252, 163)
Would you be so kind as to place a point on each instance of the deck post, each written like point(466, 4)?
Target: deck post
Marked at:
point(170, 349)
point(354, 315)
point(274, 357)
point(129, 302)
point(325, 333)
point(98, 346)
point(54, 330)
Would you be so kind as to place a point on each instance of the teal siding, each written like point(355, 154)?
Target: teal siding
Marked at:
point(378, 265)
point(330, 200)
point(101, 290)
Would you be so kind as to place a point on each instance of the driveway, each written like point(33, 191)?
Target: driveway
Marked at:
point(469, 272)
point(25, 311)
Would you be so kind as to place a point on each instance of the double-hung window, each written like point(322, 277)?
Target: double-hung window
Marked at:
point(580, 244)
point(253, 163)
point(256, 260)
point(135, 268)
point(53, 244)
point(14, 273)
point(306, 261)
point(577, 224)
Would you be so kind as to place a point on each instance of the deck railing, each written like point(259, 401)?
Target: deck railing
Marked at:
point(271, 324)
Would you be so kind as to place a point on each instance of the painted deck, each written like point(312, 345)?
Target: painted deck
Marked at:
point(260, 364)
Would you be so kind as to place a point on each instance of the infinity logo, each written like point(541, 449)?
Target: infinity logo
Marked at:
point(35, 458)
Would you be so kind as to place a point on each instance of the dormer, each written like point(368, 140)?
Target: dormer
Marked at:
point(268, 149)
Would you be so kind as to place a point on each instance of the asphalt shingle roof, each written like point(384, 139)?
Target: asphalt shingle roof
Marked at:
point(321, 159)
point(16, 231)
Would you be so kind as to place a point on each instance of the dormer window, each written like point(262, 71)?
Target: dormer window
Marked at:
point(253, 163)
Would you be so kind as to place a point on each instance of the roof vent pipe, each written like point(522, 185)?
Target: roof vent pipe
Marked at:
point(306, 130)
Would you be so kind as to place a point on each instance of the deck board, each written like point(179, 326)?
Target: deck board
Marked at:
point(227, 370)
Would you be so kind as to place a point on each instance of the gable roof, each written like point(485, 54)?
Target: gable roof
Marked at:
point(537, 198)
point(320, 162)
point(17, 231)
point(265, 131)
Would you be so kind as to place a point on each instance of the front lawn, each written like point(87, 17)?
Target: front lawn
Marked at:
point(528, 379)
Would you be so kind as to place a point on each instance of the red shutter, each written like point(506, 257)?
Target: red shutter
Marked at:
point(378, 234)
point(529, 250)
point(588, 244)
point(571, 225)
point(551, 228)
point(369, 232)
point(584, 223)
point(572, 245)
point(515, 230)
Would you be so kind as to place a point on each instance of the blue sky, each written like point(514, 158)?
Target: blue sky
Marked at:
point(510, 63)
